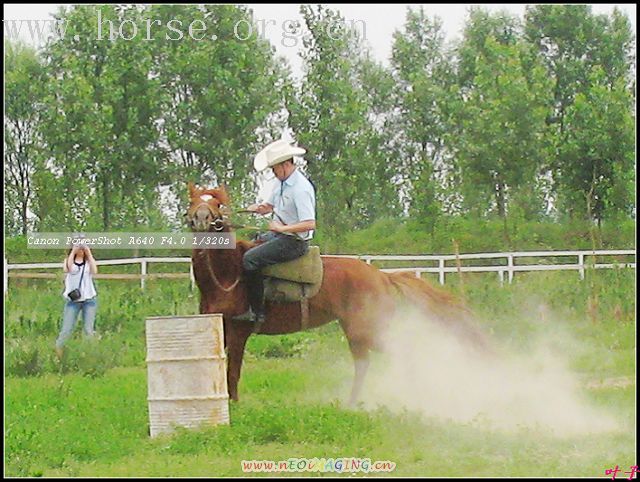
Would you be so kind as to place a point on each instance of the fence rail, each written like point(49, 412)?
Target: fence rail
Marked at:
point(510, 268)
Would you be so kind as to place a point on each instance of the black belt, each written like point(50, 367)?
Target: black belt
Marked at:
point(291, 236)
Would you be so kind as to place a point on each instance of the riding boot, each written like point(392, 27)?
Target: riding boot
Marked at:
point(255, 290)
point(256, 293)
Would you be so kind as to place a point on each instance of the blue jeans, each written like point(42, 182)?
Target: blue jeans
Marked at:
point(70, 316)
point(275, 248)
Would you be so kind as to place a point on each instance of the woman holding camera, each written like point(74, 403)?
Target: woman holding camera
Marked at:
point(79, 293)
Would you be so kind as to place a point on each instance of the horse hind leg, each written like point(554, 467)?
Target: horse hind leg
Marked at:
point(360, 351)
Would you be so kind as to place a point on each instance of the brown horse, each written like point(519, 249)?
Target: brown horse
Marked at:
point(360, 296)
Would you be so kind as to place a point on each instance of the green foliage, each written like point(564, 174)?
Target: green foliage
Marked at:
point(100, 123)
point(330, 113)
point(525, 118)
point(423, 78)
point(500, 137)
point(598, 150)
point(119, 121)
point(24, 74)
point(216, 96)
point(393, 236)
point(588, 57)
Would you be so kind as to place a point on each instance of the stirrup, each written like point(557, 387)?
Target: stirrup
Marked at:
point(258, 323)
point(248, 315)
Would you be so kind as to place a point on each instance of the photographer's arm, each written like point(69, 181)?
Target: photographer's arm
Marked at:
point(68, 263)
point(92, 262)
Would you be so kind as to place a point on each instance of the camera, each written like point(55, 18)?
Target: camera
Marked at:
point(74, 295)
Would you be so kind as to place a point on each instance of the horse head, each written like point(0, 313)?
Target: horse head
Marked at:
point(207, 208)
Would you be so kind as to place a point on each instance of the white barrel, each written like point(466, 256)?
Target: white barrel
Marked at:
point(187, 373)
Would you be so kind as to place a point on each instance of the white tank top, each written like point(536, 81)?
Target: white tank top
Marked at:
point(72, 280)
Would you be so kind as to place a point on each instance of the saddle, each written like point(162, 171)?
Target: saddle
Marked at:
point(295, 281)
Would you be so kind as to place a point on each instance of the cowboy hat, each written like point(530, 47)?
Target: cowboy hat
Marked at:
point(275, 153)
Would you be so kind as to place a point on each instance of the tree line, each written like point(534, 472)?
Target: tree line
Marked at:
point(530, 118)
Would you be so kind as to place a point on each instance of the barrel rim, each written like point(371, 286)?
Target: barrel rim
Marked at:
point(209, 315)
point(195, 398)
point(186, 358)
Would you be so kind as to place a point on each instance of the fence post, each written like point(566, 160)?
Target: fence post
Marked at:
point(441, 267)
point(6, 277)
point(581, 263)
point(501, 277)
point(510, 268)
point(143, 272)
point(191, 276)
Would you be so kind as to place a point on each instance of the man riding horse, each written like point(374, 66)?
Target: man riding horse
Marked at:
point(293, 204)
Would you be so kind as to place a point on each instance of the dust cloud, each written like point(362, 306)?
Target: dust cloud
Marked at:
point(427, 369)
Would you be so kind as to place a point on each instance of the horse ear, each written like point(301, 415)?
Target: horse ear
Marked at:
point(222, 195)
point(192, 189)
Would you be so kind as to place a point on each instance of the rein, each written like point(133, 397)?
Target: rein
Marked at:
point(215, 278)
point(218, 225)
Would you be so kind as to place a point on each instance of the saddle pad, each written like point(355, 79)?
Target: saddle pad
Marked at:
point(283, 291)
point(305, 269)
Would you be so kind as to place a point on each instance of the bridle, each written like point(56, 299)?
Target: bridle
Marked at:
point(221, 221)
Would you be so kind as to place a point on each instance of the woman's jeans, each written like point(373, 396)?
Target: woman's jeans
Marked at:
point(70, 316)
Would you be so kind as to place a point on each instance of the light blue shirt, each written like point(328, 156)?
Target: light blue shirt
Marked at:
point(294, 201)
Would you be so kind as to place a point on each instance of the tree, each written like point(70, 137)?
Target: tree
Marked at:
point(572, 43)
point(23, 96)
point(481, 24)
point(599, 149)
point(333, 113)
point(423, 75)
point(219, 97)
point(101, 120)
point(500, 143)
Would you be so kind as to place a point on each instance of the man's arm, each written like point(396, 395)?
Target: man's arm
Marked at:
point(278, 227)
point(264, 208)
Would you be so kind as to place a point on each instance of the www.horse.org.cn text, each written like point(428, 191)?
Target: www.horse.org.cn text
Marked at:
point(291, 31)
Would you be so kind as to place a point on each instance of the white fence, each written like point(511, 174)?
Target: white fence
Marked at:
point(510, 267)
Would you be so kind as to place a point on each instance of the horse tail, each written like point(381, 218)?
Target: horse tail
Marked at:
point(440, 306)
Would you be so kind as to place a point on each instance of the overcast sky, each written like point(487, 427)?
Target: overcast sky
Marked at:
point(377, 22)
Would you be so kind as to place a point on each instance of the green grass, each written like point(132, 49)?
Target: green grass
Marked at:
point(89, 416)
point(404, 236)
point(74, 426)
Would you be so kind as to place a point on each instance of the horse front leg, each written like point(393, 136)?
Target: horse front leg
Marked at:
point(236, 335)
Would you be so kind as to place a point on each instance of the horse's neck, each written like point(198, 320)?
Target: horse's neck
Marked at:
point(226, 263)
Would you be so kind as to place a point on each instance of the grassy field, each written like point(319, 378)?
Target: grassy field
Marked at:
point(88, 416)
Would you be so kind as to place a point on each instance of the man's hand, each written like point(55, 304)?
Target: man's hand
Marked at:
point(277, 226)
point(259, 208)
